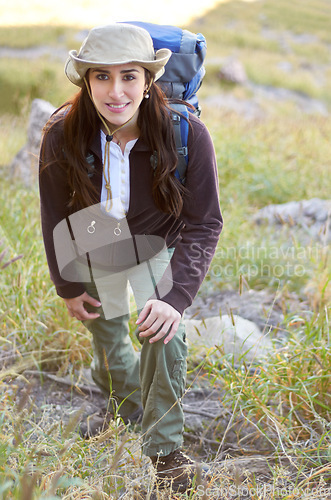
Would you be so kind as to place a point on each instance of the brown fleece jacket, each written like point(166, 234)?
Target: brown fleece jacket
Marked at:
point(194, 234)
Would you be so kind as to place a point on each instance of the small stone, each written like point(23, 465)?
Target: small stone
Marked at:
point(233, 71)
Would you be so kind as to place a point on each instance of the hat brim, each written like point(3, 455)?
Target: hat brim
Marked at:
point(76, 68)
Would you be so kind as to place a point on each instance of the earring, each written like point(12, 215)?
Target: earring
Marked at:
point(146, 91)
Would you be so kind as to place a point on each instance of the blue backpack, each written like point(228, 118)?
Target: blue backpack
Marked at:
point(181, 80)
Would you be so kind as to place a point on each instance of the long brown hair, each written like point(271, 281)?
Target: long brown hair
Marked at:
point(81, 123)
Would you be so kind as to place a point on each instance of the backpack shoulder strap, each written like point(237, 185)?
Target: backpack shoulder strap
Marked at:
point(179, 117)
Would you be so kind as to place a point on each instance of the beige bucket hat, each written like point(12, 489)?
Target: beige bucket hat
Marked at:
point(113, 44)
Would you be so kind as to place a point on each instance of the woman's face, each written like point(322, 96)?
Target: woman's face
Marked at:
point(117, 92)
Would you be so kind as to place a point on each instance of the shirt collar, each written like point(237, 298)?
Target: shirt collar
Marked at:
point(96, 146)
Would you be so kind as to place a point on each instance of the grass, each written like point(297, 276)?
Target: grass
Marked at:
point(283, 401)
point(261, 36)
point(287, 399)
point(52, 463)
point(297, 16)
point(42, 79)
point(277, 160)
point(13, 135)
point(22, 37)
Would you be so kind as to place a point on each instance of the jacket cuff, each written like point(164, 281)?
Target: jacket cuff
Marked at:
point(70, 291)
point(177, 300)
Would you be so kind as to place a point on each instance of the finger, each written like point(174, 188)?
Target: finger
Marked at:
point(152, 329)
point(169, 328)
point(87, 316)
point(82, 315)
point(92, 301)
point(144, 313)
point(150, 322)
point(172, 332)
point(166, 327)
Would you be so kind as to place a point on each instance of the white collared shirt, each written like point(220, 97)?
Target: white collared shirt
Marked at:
point(119, 173)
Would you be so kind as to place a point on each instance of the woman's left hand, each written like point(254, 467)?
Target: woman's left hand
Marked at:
point(158, 316)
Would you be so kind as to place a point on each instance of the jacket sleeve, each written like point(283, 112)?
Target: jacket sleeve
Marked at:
point(54, 197)
point(202, 219)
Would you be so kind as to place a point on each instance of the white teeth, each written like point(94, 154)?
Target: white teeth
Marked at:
point(117, 106)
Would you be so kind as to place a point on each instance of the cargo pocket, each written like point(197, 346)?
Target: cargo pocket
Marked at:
point(178, 376)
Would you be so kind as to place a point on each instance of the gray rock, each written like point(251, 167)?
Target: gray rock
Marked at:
point(238, 338)
point(303, 102)
point(312, 216)
point(233, 71)
point(259, 306)
point(25, 163)
point(286, 38)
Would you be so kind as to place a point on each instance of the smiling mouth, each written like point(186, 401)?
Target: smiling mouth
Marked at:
point(117, 106)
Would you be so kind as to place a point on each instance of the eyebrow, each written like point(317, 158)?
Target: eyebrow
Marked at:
point(108, 72)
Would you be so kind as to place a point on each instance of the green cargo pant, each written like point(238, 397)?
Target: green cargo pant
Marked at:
point(156, 379)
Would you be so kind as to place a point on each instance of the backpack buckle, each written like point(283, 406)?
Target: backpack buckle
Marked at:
point(183, 151)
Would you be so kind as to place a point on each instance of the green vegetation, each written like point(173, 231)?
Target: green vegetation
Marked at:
point(21, 82)
point(277, 160)
point(282, 157)
point(22, 37)
point(265, 33)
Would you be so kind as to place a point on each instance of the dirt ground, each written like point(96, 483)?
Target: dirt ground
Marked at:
point(211, 434)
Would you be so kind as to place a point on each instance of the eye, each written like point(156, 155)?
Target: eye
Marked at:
point(129, 77)
point(102, 76)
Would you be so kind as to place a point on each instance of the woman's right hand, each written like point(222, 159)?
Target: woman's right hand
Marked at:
point(76, 307)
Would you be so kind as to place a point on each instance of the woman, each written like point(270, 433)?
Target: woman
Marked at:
point(112, 150)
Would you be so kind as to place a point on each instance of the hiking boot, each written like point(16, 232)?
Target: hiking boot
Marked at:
point(95, 424)
point(175, 470)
